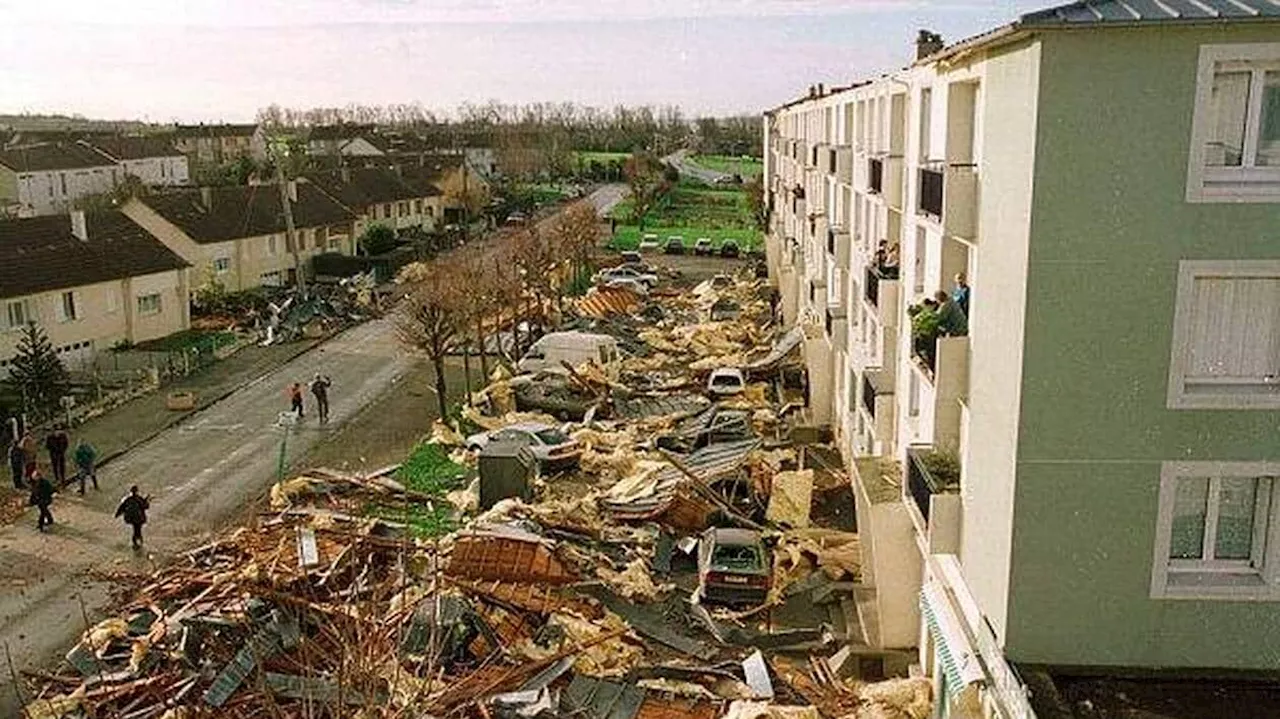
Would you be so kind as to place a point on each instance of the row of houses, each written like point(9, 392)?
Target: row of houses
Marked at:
point(94, 280)
point(1081, 474)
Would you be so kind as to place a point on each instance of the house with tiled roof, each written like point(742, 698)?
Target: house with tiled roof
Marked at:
point(237, 235)
point(90, 281)
point(49, 178)
point(330, 139)
point(152, 159)
point(383, 195)
point(219, 144)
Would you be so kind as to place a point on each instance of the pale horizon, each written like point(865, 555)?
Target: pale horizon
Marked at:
point(203, 61)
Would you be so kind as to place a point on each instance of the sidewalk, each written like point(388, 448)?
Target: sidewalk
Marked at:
point(132, 423)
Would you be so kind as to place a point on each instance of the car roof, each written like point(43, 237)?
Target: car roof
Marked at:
point(527, 426)
point(730, 535)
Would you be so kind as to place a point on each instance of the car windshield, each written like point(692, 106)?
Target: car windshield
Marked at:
point(741, 557)
point(725, 380)
point(551, 436)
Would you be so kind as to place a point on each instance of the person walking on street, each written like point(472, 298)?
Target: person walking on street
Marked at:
point(58, 443)
point(28, 445)
point(41, 497)
point(295, 398)
point(133, 509)
point(320, 388)
point(85, 456)
point(18, 465)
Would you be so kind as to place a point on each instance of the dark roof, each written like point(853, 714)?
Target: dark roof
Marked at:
point(135, 148)
point(37, 158)
point(214, 130)
point(364, 186)
point(40, 253)
point(344, 131)
point(244, 211)
point(1096, 12)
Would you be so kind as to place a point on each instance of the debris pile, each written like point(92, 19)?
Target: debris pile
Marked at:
point(664, 562)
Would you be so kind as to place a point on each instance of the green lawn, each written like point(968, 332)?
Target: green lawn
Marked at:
point(691, 210)
point(203, 340)
point(604, 158)
point(746, 168)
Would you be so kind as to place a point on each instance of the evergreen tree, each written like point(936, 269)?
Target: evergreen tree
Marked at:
point(37, 372)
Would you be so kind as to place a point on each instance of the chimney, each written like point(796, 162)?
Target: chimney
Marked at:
point(821, 89)
point(79, 227)
point(927, 43)
point(345, 172)
point(292, 187)
point(206, 198)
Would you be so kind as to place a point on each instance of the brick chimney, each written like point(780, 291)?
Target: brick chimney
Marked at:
point(927, 43)
point(79, 226)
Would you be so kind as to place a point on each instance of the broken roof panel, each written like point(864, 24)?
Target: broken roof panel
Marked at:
point(784, 346)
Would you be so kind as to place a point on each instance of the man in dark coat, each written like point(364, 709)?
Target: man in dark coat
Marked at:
point(320, 388)
point(41, 497)
point(58, 443)
point(18, 465)
point(133, 508)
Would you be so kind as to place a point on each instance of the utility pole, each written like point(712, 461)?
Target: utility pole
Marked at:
point(279, 151)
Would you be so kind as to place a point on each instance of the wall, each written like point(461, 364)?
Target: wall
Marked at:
point(1110, 225)
point(100, 319)
point(995, 361)
point(159, 170)
point(174, 313)
point(41, 193)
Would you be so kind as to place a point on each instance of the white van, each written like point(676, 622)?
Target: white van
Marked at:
point(576, 348)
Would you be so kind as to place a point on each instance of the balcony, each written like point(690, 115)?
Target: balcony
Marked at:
point(844, 165)
point(932, 488)
point(879, 407)
point(930, 196)
point(836, 326)
point(830, 161)
point(838, 244)
point(940, 380)
point(875, 175)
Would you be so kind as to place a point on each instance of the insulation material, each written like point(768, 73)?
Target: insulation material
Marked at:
point(284, 494)
point(790, 498)
point(55, 707)
point(634, 582)
point(897, 698)
point(764, 710)
point(609, 658)
point(443, 434)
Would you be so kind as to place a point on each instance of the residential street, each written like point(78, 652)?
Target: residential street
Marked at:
point(200, 475)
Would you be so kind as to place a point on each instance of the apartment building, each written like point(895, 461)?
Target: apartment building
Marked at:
point(382, 195)
point(1078, 474)
point(90, 281)
point(237, 235)
point(48, 179)
point(153, 160)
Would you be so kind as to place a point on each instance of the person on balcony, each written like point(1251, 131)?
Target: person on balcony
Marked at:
point(961, 292)
point(887, 260)
point(952, 321)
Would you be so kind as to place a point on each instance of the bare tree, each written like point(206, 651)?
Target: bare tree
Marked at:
point(429, 319)
point(645, 178)
point(577, 232)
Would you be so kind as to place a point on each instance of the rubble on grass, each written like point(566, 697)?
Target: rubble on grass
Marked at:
point(392, 594)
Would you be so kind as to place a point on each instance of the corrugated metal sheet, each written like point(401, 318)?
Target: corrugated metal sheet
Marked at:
point(682, 405)
point(706, 464)
point(605, 301)
point(1142, 11)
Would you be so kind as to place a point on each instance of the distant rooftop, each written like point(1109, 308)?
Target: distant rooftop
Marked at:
point(135, 148)
point(1085, 12)
point(53, 156)
point(214, 130)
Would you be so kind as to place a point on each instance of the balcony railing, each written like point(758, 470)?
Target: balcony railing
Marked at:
point(868, 396)
point(872, 282)
point(875, 175)
point(931, 188)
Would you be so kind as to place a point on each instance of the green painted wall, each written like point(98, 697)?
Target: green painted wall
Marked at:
point(1109, 226)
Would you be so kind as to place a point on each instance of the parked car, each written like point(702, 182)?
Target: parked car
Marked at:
point(703, 246)
point(631, 257)
point(517, 218)
point(729, 248)
point(649, 242)
point(733, 567)
point(712, 426)
point(553, 448)
point(726, 381)
point(624, 272)
point(725, 309)
point(626, 283)
point(675, 246)
point(555, 348)
point(721, 281)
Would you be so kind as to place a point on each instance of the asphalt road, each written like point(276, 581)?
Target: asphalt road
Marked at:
point(680, 160)
point(201, 474)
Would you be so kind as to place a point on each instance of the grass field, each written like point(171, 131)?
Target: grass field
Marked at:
point(746, 168)
point(603, 158)
point(691, 210)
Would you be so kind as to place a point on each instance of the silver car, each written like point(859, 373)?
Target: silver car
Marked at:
point(553, 448)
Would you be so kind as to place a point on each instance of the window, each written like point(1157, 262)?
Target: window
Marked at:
point(403, 209)
point(67, 307)
point(1226, 336)
point(149, 304)
point(222, 265)
point(62, 177)
point(1235, 131)
point(271, 279)
point(431, 211)
point(417, 207)
point(18, 314)
point(271, 246)
point(321, 236)
point(113, 300)
point(1216, 531)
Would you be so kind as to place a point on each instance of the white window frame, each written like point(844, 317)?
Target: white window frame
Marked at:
point(1180, 352)
point(145, 302)
point(272, 249)
point(24, 308)
point(1231, 184)
point(1256, 579)
point(221, 265)
point(74, 305)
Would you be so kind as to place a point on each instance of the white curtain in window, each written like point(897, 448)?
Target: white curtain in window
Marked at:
point(1230, 107)
point(1269, 132)
point(1235, 333)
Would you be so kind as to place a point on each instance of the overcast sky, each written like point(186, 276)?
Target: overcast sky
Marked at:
point(209, 60)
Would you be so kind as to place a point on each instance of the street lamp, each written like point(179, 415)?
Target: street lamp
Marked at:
point(286, 421)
